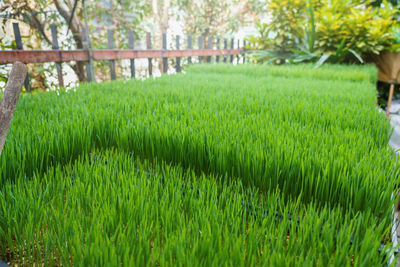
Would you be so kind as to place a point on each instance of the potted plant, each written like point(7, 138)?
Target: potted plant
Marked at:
point(388, 64)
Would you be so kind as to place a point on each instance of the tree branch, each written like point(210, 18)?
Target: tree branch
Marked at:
point(39, 26)
point(75, 27)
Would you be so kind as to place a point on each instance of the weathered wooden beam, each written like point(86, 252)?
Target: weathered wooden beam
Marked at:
point(10, 98)
point(127, 54)
point(40, 56)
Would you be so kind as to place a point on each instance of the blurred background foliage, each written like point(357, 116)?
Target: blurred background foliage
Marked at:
point(284, 31)
point(203, 17)
point(335, 31)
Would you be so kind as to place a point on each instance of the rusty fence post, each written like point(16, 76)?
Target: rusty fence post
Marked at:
point(200, 41)
point(217, 45)
point(225, 48)
point(164, 59)
point(18, 42)
point(189, 46)
point(148, 45)
point(53, 29)
point(209, 46)
point(238, 46)
point(232, 45)
point(110, 39)
point(178, 59)
point(89, 63)
point(131, 43)
point(244, 52)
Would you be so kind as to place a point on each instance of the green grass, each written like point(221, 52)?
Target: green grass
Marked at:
point(308, 143)
point(118, 210)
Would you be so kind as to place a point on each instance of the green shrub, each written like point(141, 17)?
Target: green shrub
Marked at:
point(342, 29)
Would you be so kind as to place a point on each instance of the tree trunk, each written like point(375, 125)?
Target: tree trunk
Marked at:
point(162, 18)
point(76, 30)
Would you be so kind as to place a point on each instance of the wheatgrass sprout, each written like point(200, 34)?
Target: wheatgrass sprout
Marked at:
point(118, 210)
point(197, 168)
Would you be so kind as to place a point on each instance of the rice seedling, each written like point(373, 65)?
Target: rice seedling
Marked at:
point(310, 141)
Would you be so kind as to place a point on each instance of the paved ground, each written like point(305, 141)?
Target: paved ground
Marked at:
point(398, 237)
point(395, 122)
point(394, 142)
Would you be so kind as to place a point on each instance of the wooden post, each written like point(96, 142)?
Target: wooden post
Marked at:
point(244, 53)
point(89, 64)
point(232, 45)
point(18, 42)
point(110, 39)
point(200, 40)
point(390, 99)
point(148, 44)
point(225, 47)
point(55, 46)
point(217, 57)
point(10, 98)
point(178, 59)
point(209, 46)
point(189, 40)
point(164, 59)
point(131, 42)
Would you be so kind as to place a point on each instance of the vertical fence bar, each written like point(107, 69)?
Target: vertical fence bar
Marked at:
point(244, 53)
point(131, 43)
point(53, 29)
point(178, 59)
point(200, 40)
point(189, 46)
point(217, 57)
point(148, 44)
point(164, 59)
point(209, 46)
point(225, 47)
point(89, 64)
point(18, 42)
point(110, 39)
point(238, 46)
point(232, 45)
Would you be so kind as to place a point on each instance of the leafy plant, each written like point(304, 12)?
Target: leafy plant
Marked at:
point(335, 31)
